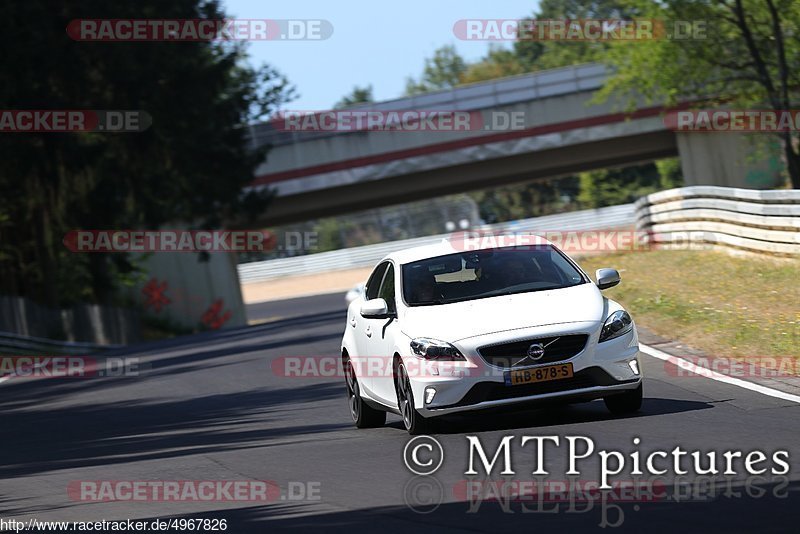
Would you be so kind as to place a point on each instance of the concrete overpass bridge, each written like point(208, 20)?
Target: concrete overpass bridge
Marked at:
point(562, 131)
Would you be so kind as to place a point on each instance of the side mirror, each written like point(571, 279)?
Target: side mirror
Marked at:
point(375, 309)
point(607, 278)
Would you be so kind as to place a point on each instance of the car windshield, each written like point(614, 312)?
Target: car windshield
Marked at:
point(487, 273)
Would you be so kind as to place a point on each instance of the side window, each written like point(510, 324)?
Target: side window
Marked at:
point(387, 289)
point(374, 282)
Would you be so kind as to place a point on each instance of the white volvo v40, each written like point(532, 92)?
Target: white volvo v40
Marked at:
point(440, 329)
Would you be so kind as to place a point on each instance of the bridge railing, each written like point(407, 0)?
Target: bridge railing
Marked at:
point(369, 255)
point(480, 95)
point(766, 222)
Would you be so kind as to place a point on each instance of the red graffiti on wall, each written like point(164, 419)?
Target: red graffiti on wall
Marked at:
point(213, 318)
point(155, 295)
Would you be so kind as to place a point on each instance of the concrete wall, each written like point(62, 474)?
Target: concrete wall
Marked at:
point(197, 295)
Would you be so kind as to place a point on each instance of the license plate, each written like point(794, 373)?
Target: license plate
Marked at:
point(538, 374)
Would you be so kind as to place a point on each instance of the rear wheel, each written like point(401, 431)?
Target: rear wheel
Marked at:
point(412, 420)
point(363, 415)
point(628, 402)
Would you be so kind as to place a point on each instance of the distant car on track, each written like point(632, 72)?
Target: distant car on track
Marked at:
point(354, 293)
point(440, 329)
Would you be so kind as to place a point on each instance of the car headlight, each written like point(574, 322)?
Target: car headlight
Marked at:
point(434, 349)
point(617, 324)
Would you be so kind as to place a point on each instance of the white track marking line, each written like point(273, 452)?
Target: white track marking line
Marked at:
point(14, 374)
point(713, 375)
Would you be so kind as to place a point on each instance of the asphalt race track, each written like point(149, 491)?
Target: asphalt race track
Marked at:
point(213, 407)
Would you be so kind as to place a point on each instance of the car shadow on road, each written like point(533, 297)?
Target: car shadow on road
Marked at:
point(554, 415)
point(25, 393)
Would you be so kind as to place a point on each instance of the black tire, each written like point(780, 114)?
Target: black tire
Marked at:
point(364, 416)
point(624, 403)
point(415, 423)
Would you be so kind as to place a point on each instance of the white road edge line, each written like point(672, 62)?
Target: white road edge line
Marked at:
point(713, 375)
point(14, 374)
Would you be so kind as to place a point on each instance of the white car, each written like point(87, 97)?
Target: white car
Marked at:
point(441, 329)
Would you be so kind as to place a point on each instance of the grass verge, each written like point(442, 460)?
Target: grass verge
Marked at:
point(724, 305)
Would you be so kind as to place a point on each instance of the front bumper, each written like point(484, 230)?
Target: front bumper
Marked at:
point(490, 391)
point(600, 369)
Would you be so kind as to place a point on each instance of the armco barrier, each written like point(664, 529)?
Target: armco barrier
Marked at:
point(766, 222)
point(25, 324)
point(366, 256)
point(17, 344)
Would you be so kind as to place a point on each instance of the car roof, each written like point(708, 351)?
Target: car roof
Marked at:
point(464, 244)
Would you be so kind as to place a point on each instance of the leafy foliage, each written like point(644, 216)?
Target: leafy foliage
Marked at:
point(190, 165)
point(359, 95)
point(749, 56)
point(609, 187)
point(443, 71)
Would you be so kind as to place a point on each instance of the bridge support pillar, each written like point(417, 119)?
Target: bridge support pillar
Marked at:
point(730, 159)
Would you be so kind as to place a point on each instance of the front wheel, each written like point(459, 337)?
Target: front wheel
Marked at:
point(363, 415)
point(624, 403)
point(415, 424)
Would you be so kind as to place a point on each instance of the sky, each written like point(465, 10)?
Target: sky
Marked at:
point(377, 43)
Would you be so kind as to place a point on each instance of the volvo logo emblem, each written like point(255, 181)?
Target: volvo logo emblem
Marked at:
point(536, 351)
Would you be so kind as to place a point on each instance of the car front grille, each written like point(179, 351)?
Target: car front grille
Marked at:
point(513, 354)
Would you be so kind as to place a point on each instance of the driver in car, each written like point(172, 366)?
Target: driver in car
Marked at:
point(427, 290)
point(514, 272)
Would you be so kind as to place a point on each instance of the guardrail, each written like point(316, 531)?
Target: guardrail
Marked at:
point(85, 324)
point(369, 255)
point(745, 219)
point(17, 344)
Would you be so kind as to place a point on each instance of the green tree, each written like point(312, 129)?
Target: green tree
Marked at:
point(359, 95)
point(498, 63)
point(329, 235)
point(443, 71)
point(747, 55)
point(524, 200)
point(670, 174)
point(190, 165)
point(534, 54)
point(609, 187)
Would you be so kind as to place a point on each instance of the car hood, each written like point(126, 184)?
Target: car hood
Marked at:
point(459, 320)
